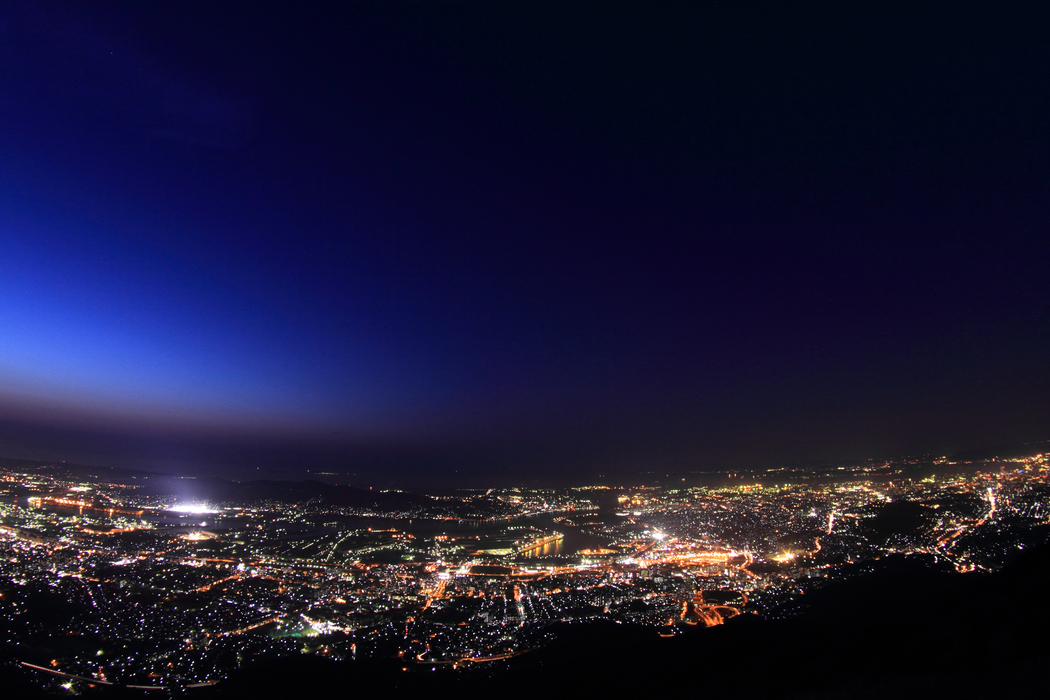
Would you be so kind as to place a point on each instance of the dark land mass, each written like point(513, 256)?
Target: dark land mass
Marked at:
point(903, 627)
point(1002, 452)
point(68, 470)
point(216, 490)
point(897, 518)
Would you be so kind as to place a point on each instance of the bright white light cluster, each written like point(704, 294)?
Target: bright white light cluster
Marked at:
point(194, 508)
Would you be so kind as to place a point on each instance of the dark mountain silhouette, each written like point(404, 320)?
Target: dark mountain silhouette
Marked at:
point(216, 490)
point(75, 471)
point(219, 490)
point(1002, 452)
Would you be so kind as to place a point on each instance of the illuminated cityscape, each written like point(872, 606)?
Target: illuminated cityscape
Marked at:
point(518, 351)
point(109, 581)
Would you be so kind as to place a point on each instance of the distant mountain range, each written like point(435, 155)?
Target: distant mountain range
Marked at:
point(216, 490)
point(1002, 452)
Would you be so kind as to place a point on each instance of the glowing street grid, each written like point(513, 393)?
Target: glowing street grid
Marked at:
point(155, 592)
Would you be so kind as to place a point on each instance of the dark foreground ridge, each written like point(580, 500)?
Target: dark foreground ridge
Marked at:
point(901, 631)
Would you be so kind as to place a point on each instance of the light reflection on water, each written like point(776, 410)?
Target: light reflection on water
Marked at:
point(551, 549)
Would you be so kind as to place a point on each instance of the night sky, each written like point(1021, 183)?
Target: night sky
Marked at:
point(452, 243)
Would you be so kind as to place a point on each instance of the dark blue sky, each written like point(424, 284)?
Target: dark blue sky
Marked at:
point(419, 242)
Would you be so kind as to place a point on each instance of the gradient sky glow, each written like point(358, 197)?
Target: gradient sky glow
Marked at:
point(417, 241)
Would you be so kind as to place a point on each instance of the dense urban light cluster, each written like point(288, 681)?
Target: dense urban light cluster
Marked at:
point(104, 580)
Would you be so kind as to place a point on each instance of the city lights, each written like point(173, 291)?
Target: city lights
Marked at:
point(483, 577)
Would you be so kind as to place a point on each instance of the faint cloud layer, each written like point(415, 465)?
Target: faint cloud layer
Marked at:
point(57, 63)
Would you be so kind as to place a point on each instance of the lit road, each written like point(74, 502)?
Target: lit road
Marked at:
point(946, 541)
